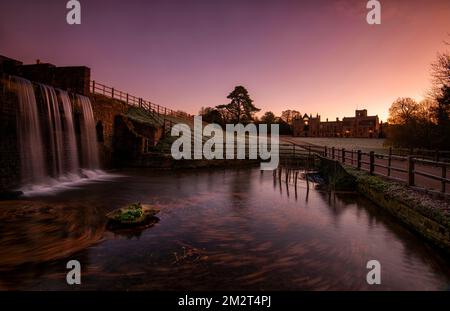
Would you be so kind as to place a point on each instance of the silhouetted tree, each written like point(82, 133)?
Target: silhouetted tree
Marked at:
point(289, 115)
point(268, 118)
point(411, 124)
point(442, 113)
point(403, 111)
point(212, 115)
point(440, 92)
point(240, 108)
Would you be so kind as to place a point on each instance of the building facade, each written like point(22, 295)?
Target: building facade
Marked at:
point(361, 125)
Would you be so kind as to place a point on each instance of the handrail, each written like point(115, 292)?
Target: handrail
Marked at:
point(157, 111)
point(340, 154)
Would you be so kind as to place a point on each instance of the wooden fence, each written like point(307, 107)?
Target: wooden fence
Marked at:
point(435, 155)
point(160, 113)
point(401, 168)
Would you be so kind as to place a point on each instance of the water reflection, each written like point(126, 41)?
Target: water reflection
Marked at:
point(226, 229)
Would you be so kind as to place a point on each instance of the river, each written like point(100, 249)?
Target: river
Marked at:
point(218, 230)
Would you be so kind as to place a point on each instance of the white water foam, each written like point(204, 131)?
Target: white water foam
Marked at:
point(69, 181)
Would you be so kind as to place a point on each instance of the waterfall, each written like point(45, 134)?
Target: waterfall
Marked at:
point(47, 140)
point(88, 134)
point(71, 150)
point(55, 129)
point(31, 150)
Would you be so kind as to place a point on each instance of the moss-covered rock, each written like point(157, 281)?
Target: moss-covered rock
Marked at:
point(133, 215)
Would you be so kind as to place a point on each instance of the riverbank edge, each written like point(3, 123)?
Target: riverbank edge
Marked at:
point(419, 212)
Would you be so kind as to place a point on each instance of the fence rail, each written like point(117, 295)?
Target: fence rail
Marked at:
point(160, 113)
point(436, 155)
point(408, 167)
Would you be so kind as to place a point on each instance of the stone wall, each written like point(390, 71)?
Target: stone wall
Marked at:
point(105, 111)
point(422, 213)
point(73, 79)
point(9, 154)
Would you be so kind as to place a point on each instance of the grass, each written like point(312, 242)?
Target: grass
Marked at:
point(130, 213)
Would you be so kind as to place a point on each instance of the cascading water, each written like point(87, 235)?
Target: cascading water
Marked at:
point(61, 168)
point(71, 150)
point(88, 134)
point(32, 163)
point(55, 129)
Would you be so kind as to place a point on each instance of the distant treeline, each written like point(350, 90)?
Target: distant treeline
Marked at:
point(425, 124)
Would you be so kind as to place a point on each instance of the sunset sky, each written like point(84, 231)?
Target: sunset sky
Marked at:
point(312, 56)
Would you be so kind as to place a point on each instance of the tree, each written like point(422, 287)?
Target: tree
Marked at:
point(240, 108)
point(440, 92)
point(443, 106)
point(269, 118)
point(403, 111)
point(440, 74)
point(442, 113)
point(289, 115)
point(412, 124)
point(212, 115)
point(425, 124)
point(426, 110)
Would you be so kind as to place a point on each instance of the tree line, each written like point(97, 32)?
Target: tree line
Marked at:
point(424, 124)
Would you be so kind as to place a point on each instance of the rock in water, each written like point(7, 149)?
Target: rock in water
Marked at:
point(134, 215)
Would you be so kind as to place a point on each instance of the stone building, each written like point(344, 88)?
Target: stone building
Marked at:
point(361, 125)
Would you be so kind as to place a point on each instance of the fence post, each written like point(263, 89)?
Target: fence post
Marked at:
point(389, 162)
point(410, 170)
point(359, 160)
point(93, 86)
point(372, 163)
point(127, 98)
point(437, 156)
point(112, 93)
point(343, 155)
point(444, 176)
point(332, 153)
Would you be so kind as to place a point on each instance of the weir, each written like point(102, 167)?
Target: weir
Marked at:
point(71, 151)
point(29, 132)
point(55, 133)
point(49, 153)
point(88, 134)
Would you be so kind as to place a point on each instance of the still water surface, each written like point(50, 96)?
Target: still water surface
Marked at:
point(218, 230)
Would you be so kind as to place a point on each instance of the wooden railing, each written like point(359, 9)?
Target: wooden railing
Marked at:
point(436, 155)
point(406, 167)
point(160, 113)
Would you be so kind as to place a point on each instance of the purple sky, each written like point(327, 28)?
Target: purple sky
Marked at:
point(312, 56)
